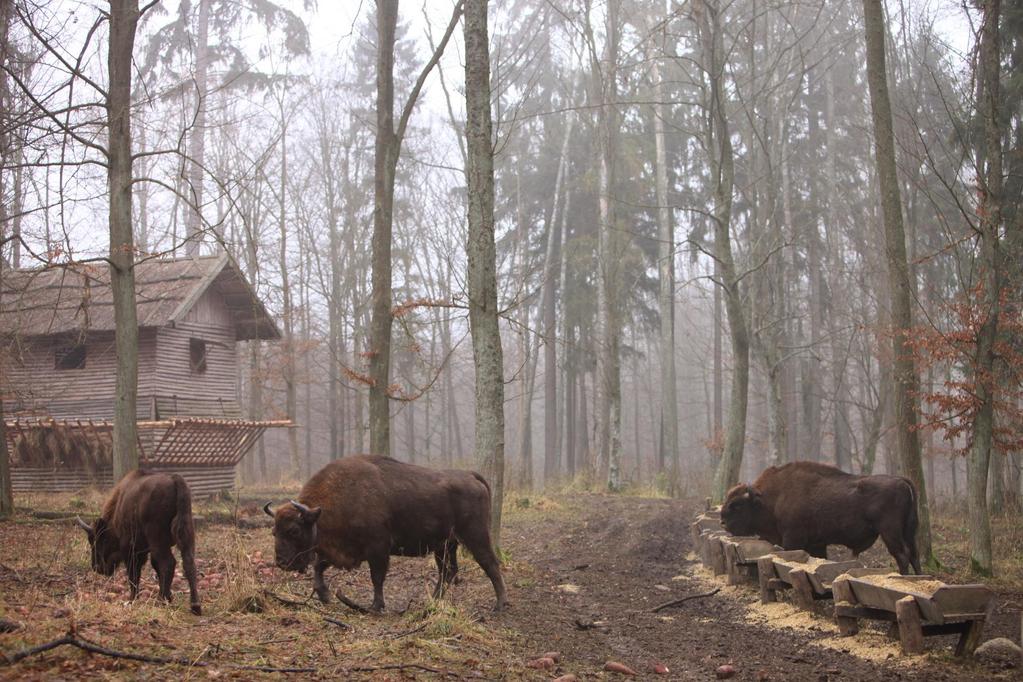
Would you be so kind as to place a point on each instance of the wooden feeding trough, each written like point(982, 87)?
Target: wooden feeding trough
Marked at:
point(808, 577)
point(921, 605)
point(708, 521)
point(712, 550)
point(742, 555)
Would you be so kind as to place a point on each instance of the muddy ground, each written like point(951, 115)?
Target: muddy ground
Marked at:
point(584, 573)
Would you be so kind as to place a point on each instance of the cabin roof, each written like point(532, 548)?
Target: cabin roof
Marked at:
point(72, 298)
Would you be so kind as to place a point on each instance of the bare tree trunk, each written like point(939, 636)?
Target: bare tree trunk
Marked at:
point(6, 494)
point(990, 211)
point(197, 137)
point(840, 423)
point(124, 16)
point(386, 158)
point(6, 7)
point(289, 369)
point(723, 177)
point(906, 381)
point(667, 454)
point(551, 279)
point(609, 253)
point(482, 276)
point(387, 149)
point(334, 347)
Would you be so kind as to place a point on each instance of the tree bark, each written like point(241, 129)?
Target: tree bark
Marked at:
point(906, 382)
point(609, 253)
point(549, 296)
point(723, 178)
point(124, 16)
point(197, 137)
point(386, 158)
point(290, 366)
point(386, 151)
point(482, 265)
point(6, 7)
point(985, 381)
point(667, 454)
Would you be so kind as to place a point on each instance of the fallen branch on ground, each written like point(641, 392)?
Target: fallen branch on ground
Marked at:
point(339, 623)
point(350, 604)
point(70, 640)
point(401, 666)
point(676, 602)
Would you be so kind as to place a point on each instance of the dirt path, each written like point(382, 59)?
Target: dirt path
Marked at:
point(609, 560)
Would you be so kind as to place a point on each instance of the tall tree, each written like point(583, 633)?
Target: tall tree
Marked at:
point(124, 17)
point(482, 256)
point(6, 7)
point(990, 176)
point(668, 452)
point(906, 382)
point(722, 163)
point(387, 149)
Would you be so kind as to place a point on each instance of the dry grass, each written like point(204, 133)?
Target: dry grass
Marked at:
point(950, 530)
point(46, 585)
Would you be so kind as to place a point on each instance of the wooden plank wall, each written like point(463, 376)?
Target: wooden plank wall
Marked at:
point(167, 385)
point(212, 393)
point(87, 393)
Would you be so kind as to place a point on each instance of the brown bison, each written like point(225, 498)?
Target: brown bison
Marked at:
point(369, 508)
point(147, 513)
point(804, 505)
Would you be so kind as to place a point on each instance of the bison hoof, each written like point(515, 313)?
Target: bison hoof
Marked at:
point(196, 609)
point(323, 595)
point(377, 607)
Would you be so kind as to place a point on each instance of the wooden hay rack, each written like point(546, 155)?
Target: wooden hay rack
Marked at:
point(50, 455)
point(919, 605)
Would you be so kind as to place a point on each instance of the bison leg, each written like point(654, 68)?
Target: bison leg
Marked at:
point(904, 552)
point(188, 565)
point(447, 566)
point(319, 584)
point(133, 565)
point(377, 572)
point(819, 551)
point(164, 565)
point(478, 544)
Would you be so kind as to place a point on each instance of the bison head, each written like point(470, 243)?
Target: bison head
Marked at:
point(742, 511)
point(294, 535)
point(104, 547)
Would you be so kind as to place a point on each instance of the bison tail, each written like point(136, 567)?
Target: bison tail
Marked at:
point(479, 477)
point(182, 528)
point(912, 521)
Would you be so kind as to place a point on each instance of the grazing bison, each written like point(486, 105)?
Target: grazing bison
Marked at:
point(146, 513)
point(804, 505)
point(368, 508)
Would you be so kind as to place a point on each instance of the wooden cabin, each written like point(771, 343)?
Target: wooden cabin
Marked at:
point(59, 369)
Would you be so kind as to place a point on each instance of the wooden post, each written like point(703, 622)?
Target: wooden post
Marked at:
point(801, 588)
point(970, 637)
point(717, 555)
point(844, 598)
point(911, 632)
point(765, 571)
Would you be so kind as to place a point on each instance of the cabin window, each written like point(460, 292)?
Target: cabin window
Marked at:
point(197, 355)
point(70, 357)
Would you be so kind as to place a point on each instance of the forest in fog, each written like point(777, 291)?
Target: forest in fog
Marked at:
point(703, 264)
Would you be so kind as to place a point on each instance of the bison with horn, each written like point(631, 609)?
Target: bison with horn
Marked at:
point(369, 508)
